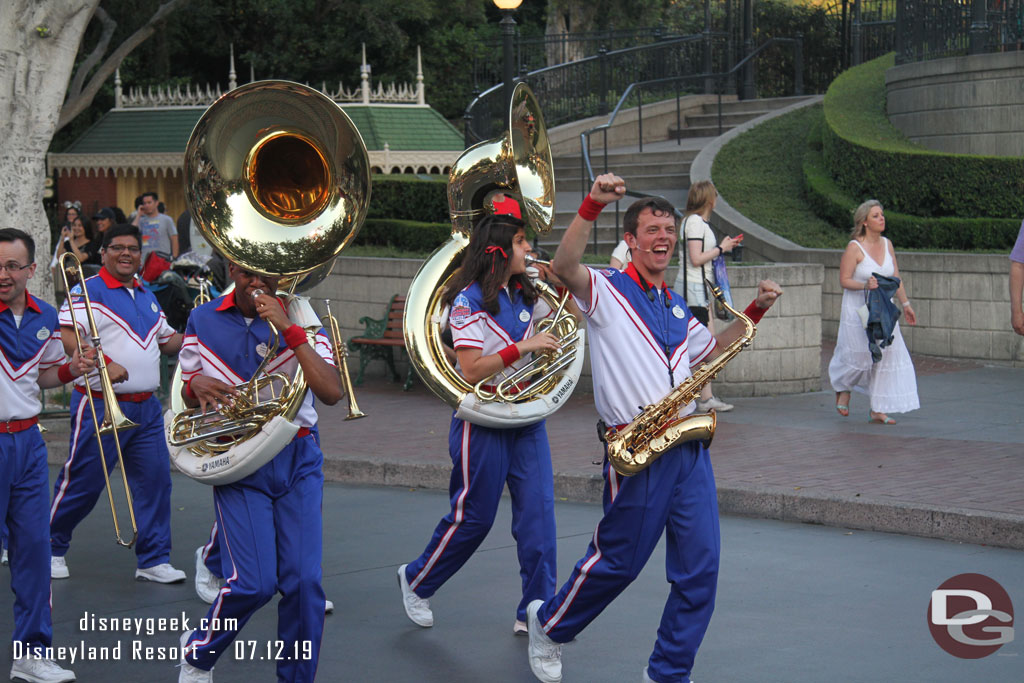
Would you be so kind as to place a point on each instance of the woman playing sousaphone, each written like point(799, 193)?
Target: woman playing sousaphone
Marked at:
point(493, 307)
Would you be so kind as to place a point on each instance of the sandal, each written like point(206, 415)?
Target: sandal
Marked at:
point(843, 410)
point(882, 419)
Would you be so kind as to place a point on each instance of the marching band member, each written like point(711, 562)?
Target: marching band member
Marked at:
point(269, 523)
point(491, 318)
point(32, 354)
point(134, 332)
point(643, 341)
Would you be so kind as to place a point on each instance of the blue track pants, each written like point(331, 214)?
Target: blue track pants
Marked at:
point(484, 460)
point(24, 486)
point(146, 463)
point(675, 494)
point(270, 529)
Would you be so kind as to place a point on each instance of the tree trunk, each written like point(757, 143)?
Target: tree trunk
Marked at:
point(38, 44)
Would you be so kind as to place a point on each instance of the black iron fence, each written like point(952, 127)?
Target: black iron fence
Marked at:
point(537, 52)
point(591, 86)
point(934, 29)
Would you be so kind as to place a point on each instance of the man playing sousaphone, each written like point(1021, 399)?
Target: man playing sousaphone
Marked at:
point(269, 521)
point(643, 343)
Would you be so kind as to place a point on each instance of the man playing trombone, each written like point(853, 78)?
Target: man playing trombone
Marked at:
point(133, 333)
point(32, 357)
point(269, 522)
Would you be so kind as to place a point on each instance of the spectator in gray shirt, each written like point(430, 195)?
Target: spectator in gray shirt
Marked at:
point(158, 230)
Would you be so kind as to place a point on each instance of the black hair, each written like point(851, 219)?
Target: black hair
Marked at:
point(490, 270)
point(118, 231)
point(119, 216)
point(659, 206)
point(154, 195)
point(12, 234)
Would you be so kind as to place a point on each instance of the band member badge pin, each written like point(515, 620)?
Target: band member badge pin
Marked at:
point(154, 308)
point(42, 334)
point(262, 349)
point(524, 316)
point(677, 311)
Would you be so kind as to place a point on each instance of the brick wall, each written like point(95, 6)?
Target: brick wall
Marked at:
point(93, 191)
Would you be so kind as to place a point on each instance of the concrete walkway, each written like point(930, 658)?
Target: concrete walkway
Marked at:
point(953, 469)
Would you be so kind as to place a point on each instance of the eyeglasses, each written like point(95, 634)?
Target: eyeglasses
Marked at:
point(13, 267)
point(120, 249)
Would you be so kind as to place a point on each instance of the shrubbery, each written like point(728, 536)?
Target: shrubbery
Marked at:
point(868, 157)
point(409, 198)
point(405, 235)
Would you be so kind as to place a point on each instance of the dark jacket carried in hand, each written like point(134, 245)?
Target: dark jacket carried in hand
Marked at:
point(882, 314)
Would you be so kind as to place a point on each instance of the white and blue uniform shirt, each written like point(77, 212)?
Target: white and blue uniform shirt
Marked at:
point(474, 328)
point(222, 343)
point(131, 326)
point(643, 342)
point(25, 351)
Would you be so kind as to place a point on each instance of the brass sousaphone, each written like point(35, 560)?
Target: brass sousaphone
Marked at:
point(277, 179)
point(519, 164)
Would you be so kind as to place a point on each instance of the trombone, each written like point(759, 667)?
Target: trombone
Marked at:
point(341, 360)
point(113, 418)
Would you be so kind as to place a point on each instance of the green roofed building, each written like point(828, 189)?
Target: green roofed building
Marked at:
point(139, 145)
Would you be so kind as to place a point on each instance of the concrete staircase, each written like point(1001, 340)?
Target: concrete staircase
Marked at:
point(663, 167)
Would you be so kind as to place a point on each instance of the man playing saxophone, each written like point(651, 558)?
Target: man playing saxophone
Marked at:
point(269, 522)
point(643, 342)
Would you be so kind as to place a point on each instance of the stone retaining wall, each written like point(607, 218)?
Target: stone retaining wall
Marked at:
point(960, 105)
point(784, 357)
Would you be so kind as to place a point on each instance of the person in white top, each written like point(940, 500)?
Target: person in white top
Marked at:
point(890, 383)
point(620, 256)
point(696, 251)
point(643, 342)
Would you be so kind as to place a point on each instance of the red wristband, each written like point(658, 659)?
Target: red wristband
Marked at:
point(64, 373)
point(188, 388)
point(509, 355)
point(755, 312)
point(294, 337)
point(107, 360)
point(590, 208)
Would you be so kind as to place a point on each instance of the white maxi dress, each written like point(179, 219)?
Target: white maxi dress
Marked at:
point(890, 383)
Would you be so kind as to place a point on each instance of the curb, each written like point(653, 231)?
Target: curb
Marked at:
point(852, 512)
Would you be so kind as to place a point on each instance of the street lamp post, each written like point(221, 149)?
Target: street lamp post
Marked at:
point(508, 32)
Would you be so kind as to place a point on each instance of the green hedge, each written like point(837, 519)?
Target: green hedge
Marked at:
point(867, 156)
point(405, 235)
point(906, 232)
point(409, 198)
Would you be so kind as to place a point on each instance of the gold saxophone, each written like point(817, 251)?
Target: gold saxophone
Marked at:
point(658, 427)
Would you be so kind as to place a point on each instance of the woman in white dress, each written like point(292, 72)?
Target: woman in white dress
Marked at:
point(890, 383)
point(697, 249)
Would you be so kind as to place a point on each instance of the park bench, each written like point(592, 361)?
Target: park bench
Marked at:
point(380, 338)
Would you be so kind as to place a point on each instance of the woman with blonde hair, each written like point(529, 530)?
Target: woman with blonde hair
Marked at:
point(890, 383)
point(697, 249)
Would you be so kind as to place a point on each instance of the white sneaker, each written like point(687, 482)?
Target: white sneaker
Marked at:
point(208, 585)
point(58, 568)
point(188, 672)
point(545, 654)
point(35, 670)
point(713, 403)
point(161, 573)
point(328, 607)
point(3, 557)
point(416, 608)
point(519, 628)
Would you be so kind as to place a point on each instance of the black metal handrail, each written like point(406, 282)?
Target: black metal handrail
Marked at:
point(587, 168)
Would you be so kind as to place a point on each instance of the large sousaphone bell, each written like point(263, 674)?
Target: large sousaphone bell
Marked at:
point(519, 164)
point(277, 179)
